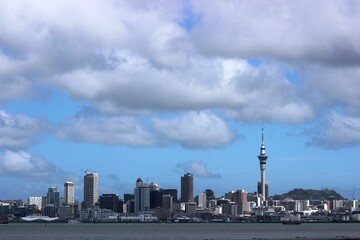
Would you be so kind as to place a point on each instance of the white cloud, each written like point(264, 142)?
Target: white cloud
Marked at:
point(195, 130)
point(128, 57)
point(321, 31)
point(333, 86)
point(23, 164)
point(39, 173)
point(111, 130)
point(198, 169)
point(190, 130)
point(339, 131)
point(134, 85)
point(17, 131)
point(136, 58)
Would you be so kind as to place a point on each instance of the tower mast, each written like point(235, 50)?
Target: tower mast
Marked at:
point(262, 158)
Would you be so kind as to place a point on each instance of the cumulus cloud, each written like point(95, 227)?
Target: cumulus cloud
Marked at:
point(333, 86)
point(321, 31)
point(248, 92)
point(17, 131)
point(107, 130)
point(132, 58)
point(195, 130)
point(23, 164)
point(190, 130)
point(338, 131)
point(42, 174)
point(198, 169)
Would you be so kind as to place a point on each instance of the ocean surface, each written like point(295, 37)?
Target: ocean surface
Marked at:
point(178, 231)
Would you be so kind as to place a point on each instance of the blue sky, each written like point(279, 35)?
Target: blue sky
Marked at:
point(156, 89)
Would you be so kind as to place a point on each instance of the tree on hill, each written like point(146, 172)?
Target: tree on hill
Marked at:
point(309, 194)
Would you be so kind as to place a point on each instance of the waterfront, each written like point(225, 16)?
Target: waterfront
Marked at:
point(54, 231)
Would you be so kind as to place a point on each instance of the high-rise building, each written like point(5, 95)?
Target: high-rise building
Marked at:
point(53, 197)
point(262, 158)
point(142, 196)
point(202, 200)
point(155, 195)
point(209, 194)
point(155, 199)
point(69, 193)
point(110, 201)
point(90, 189)
point(167, 202)
point(154, 186)
point(187, 188)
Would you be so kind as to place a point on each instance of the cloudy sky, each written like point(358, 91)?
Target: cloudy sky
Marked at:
point(159, 88)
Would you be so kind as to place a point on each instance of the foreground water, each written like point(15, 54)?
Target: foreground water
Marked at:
point(109, 231)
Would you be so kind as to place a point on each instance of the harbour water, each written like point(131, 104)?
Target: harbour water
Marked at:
point(110, 231)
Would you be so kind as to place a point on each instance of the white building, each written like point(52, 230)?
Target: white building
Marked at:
point(69, 193)
point(35, 201)
point(202, 201)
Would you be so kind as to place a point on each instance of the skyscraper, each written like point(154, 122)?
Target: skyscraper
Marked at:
point(262, 158)
point(69, 193)
point(142, 196)
point(90, 189)
point(187, 188)
point(53, 197)
point(155, 195)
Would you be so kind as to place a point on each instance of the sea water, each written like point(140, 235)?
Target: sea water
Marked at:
point(179, 231)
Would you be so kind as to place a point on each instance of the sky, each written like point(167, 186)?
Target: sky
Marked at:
point(156, 89)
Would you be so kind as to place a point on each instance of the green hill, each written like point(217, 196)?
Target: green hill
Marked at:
point(309, 194)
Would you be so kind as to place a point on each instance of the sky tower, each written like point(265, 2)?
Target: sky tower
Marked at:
point(262, 158)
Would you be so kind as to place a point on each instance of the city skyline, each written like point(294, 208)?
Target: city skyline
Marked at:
point(153, 89)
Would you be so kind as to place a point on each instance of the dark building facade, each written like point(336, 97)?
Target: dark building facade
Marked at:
point(155, 199)
point(53, 197)
point(187, 188)
point(110, 201)
point(171, 192)
point(209, 194)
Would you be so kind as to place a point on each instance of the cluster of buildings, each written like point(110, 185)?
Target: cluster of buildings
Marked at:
point(151, 203)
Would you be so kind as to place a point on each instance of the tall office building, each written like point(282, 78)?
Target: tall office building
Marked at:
point(110, 201)
point(155, 195)
point(53, 197)
point(262, 158)
point(90, 189)
point(69, 193)
point(142, 196)
point(202, 200)
point(154, 186)
point(187, 188)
